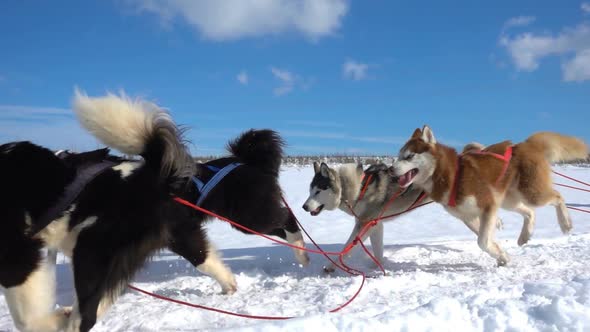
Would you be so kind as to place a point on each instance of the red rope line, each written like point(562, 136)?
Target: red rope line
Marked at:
point(213, 214)
point(365, 187)
point(198, 306)
point(570, 178)
point(577, 209)
point(341, 254)
point(324, 253)
point(319, 250)
point(571, 187)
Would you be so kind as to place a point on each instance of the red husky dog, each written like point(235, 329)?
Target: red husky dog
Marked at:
point(473, 185)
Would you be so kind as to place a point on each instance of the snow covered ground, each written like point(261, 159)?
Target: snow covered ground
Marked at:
point(438, 278)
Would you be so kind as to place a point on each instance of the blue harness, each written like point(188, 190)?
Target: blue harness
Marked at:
point(205, 187)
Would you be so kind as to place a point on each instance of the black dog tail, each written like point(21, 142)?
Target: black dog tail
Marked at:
point(136, 127)
point(260, 148)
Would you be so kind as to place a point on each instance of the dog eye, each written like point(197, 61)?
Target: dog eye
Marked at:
point(317, 193)
point(410, 156)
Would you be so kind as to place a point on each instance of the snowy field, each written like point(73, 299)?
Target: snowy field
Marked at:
point(438, 278)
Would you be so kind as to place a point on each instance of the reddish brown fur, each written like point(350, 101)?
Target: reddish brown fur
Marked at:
point(527, 182)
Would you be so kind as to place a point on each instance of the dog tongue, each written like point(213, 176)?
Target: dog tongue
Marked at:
point(404, 179)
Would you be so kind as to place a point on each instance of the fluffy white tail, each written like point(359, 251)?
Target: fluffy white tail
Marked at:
point(135, 127)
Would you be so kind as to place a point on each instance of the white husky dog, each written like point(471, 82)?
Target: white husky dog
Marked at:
point(341, 188)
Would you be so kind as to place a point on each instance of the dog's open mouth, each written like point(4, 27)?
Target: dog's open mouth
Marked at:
point(317, 211)
point(406, 179)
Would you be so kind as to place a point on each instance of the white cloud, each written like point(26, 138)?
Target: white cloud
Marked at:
point(577, 69)
point(528, 49)
point(355, 71)
point(519, 21)
point(585, 6)
point(235, 19)
point(287, 81)
point(242, 77)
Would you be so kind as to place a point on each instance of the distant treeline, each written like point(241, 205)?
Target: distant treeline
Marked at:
point(329, 159)
point(345, 159)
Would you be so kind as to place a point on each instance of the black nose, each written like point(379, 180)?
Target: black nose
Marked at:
point(305, 207)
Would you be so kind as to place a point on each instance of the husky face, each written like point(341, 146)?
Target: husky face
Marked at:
point(324, 190)
point(416, 162)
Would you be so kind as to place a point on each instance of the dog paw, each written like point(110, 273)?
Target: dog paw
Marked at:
point(229, 287)
point(567, 227)
point(64, 311)
point(303, 259)
point(229, 290)
point(503, 260)
point(523, 238)
point(329, 269)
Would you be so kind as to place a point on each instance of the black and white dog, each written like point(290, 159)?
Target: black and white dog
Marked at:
point(124, 213)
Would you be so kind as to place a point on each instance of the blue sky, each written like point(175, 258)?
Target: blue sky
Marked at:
point(332, 76)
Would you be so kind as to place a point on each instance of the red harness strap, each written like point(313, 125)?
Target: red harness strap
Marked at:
point(365, 187)
point(506, 157)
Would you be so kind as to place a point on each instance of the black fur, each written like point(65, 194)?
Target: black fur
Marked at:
point(250, 195)
point(135, 215)
point(260, 148)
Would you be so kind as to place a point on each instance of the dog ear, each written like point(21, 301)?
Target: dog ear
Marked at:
point(325, 170)
point(316, 167)
point(417, 133)
point(428, 135)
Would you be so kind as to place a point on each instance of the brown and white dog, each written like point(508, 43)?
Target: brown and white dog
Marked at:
point(486, 183)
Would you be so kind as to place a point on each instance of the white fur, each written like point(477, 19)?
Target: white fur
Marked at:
point(214, 267)
point(297, 239)
point(316, 196)
point(428, 135)
point(75, 319)
point(330, 199)
point(126, 168)
point(424, 162)
point(58, 236)
point(117, 121)
point(32, 304)
point(128, 125)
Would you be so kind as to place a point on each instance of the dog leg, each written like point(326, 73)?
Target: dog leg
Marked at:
point(32, 303)
point(193, 245)
point(563, 217)
point(214, 267)
point(473, 224)
point(297, 239)
point(377, 241)
point(75, 319)
point(528, 224)
point(90, 275)
point(355, 232)
point(294, 236)
point(485, 240)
